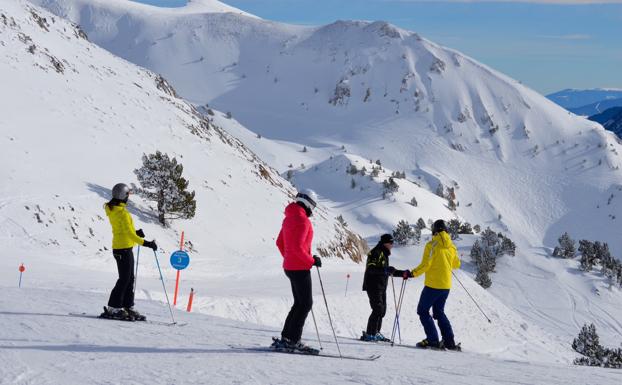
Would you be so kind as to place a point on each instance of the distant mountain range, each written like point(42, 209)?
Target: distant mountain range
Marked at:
point(611, 119)
point(587, 102)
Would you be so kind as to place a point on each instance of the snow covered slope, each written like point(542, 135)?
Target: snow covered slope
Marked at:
point(76, 120)
point(41, 344)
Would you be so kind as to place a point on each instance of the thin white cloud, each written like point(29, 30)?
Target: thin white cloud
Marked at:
point(577, 36)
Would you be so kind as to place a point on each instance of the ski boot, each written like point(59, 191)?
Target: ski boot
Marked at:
point(425, 344)
point(301, 348)
point(116, 314)
point(280, 344)
point(134, 314)
point(450, 346)
point(380, 338)
point(368, 337)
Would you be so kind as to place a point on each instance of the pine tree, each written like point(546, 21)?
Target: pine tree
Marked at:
point(566, 247)
point(490, 239)
point(465, 228)
point(161, 181)
point(483, 279)
point(420, 224)
point(353, 183)
point(390, 186)
point(352, 170)
point(413, 202)
point(404, 233)
point(588, 345)
point(488, 260)
point(588, 254)
point(453, 227)
point(507, 246)
point(476, 252)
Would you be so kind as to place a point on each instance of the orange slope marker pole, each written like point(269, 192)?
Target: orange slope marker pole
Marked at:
point(181, 247)
point(189, 308)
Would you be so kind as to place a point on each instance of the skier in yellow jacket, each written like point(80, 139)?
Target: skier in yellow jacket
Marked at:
point(440, 257)
point(124, 238)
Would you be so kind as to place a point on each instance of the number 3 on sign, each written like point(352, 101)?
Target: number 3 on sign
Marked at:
point(180, 260)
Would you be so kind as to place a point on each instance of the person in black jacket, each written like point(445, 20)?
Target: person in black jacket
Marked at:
point(377, 271)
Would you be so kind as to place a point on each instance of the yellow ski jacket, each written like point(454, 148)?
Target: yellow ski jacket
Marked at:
point(440, 257)
point(123, 232)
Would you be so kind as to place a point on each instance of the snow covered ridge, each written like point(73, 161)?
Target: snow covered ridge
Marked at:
point(383, 93)
point(95, 116)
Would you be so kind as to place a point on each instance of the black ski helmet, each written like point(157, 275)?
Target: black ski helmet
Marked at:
point(120, 191)
point(439, 226)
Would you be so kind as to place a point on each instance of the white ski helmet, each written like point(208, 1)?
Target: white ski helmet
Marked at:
point(120, 191)
point(308, 198)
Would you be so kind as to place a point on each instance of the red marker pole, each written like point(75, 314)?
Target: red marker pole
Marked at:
point(189, 308)
point(181, 247)
point(347, 281)
point(21, 271)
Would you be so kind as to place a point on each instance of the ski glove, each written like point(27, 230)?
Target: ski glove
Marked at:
point(407, 274)
point(140, 233)
point(317, 261)
point(151, 245)
point(391, 270)
point(398, 273)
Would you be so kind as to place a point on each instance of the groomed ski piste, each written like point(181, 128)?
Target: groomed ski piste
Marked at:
point(76, 119)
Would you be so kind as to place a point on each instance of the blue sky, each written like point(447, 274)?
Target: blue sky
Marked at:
point(547, 44)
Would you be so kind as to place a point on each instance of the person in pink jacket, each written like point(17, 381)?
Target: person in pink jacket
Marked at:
point(294, 243)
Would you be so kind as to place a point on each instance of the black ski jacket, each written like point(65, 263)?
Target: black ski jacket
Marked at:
point(377, 269)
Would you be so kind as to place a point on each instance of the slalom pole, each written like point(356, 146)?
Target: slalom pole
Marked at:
point(328, 312)
point(473, 299)
point(136, 273)
point(399, 332)
point(316, 329)
point(164, 286)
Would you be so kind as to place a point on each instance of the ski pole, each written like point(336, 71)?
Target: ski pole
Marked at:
point(473, 299)
point(316, 329)
point(164, 286)
point(401, 301)
point(397, 312)
point(399, 333)
point(136, 274)
point(328, 311)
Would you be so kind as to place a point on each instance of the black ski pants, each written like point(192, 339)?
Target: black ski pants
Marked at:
point(378, 303)
point(122, 294)
point(303, 301)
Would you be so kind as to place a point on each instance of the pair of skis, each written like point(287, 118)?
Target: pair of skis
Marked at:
point(267, 349)
point(151, 322)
